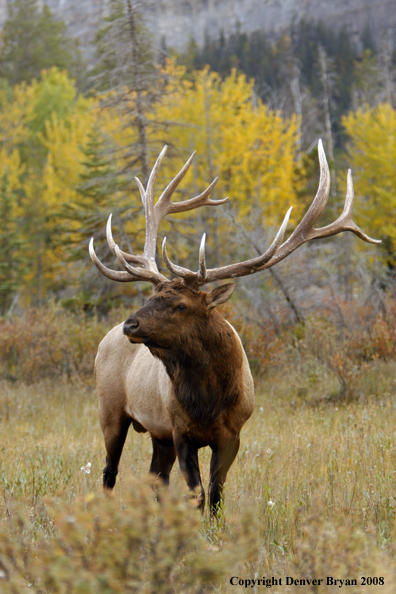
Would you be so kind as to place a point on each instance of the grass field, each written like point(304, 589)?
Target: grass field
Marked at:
point(311, 494)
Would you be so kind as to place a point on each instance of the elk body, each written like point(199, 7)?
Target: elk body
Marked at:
point(176, 368)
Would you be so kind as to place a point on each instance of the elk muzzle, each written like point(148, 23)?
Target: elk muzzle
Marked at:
point(133, 330)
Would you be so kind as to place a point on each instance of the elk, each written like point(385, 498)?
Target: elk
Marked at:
point(176, 368)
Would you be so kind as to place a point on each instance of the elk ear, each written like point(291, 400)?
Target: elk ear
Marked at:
point(219, 295)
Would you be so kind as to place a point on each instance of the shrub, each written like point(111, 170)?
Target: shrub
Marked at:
point(49, 342)
point(55, 342)
point(101, 547)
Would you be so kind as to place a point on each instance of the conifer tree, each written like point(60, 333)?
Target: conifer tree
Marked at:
point(33, 40)
point(127, 70)
point(99, 191)
point(97, 187)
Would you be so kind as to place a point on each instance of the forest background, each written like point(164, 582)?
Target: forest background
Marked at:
point(73, 137)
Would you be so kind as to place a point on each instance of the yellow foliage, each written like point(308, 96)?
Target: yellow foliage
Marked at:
point(16, 107)
point(250, 148)
point(45, 125)
point(64, 142)
point(10, 164)
point(373, 154)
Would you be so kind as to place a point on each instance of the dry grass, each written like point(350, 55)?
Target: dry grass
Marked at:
point(317, 478)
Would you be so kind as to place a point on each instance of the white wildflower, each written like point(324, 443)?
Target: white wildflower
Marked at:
point(86, 469)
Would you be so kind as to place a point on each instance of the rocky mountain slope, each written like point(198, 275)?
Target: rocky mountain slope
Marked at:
point(175, 21)
point(178, 20)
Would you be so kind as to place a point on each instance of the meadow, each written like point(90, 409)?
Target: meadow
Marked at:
point(310, 496)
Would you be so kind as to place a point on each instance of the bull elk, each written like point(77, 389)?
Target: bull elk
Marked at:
point(176, 368)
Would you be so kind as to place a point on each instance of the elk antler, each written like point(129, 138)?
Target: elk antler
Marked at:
point(145, 267)
point(305, 231)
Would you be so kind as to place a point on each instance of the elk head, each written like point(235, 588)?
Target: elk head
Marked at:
point(176, 318)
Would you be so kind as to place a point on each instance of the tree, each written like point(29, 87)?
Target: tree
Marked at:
point(42, 126)
point(373, 153)
point(97, 193)
point(73, 171)
point(34, 40)
point(237, 138)
point(251, 149)
point(127, 70)
point(286, 71)
point(327, 79)
point(367, 81)
point(13, 260)
point(387, 70)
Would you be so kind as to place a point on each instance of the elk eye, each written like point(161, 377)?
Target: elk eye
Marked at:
point(181, 307)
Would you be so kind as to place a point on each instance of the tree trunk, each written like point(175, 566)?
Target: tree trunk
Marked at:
point(297, 100)
point(140, 107)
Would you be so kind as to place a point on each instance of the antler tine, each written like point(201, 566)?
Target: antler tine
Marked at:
point(153, 177)
point(164, 200)
point(131, 273)
point(165, 206)
point(319, 203)
point(305, 231)
point(112, 245)
point(344, 221)
point(140, 273)
point(191, 278)
point(200, 200)
point(150, 245)
point(142, 191)
point(120, 276)
point(202, 263)
point(184, 273)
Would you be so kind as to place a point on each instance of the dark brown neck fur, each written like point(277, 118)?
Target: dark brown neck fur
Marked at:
point(207, 375)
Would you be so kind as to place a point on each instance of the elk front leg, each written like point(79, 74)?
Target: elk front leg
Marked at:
point(187, 453)
point(115, 433)
point(221, 460)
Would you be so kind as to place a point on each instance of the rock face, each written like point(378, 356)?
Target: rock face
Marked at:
point(176, 21)
point(83, 17)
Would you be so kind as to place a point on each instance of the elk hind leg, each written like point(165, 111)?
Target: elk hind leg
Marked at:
point(221, 460)
point(164, 456)
point(115, 433)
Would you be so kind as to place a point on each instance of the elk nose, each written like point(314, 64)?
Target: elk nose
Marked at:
point(130, 326)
